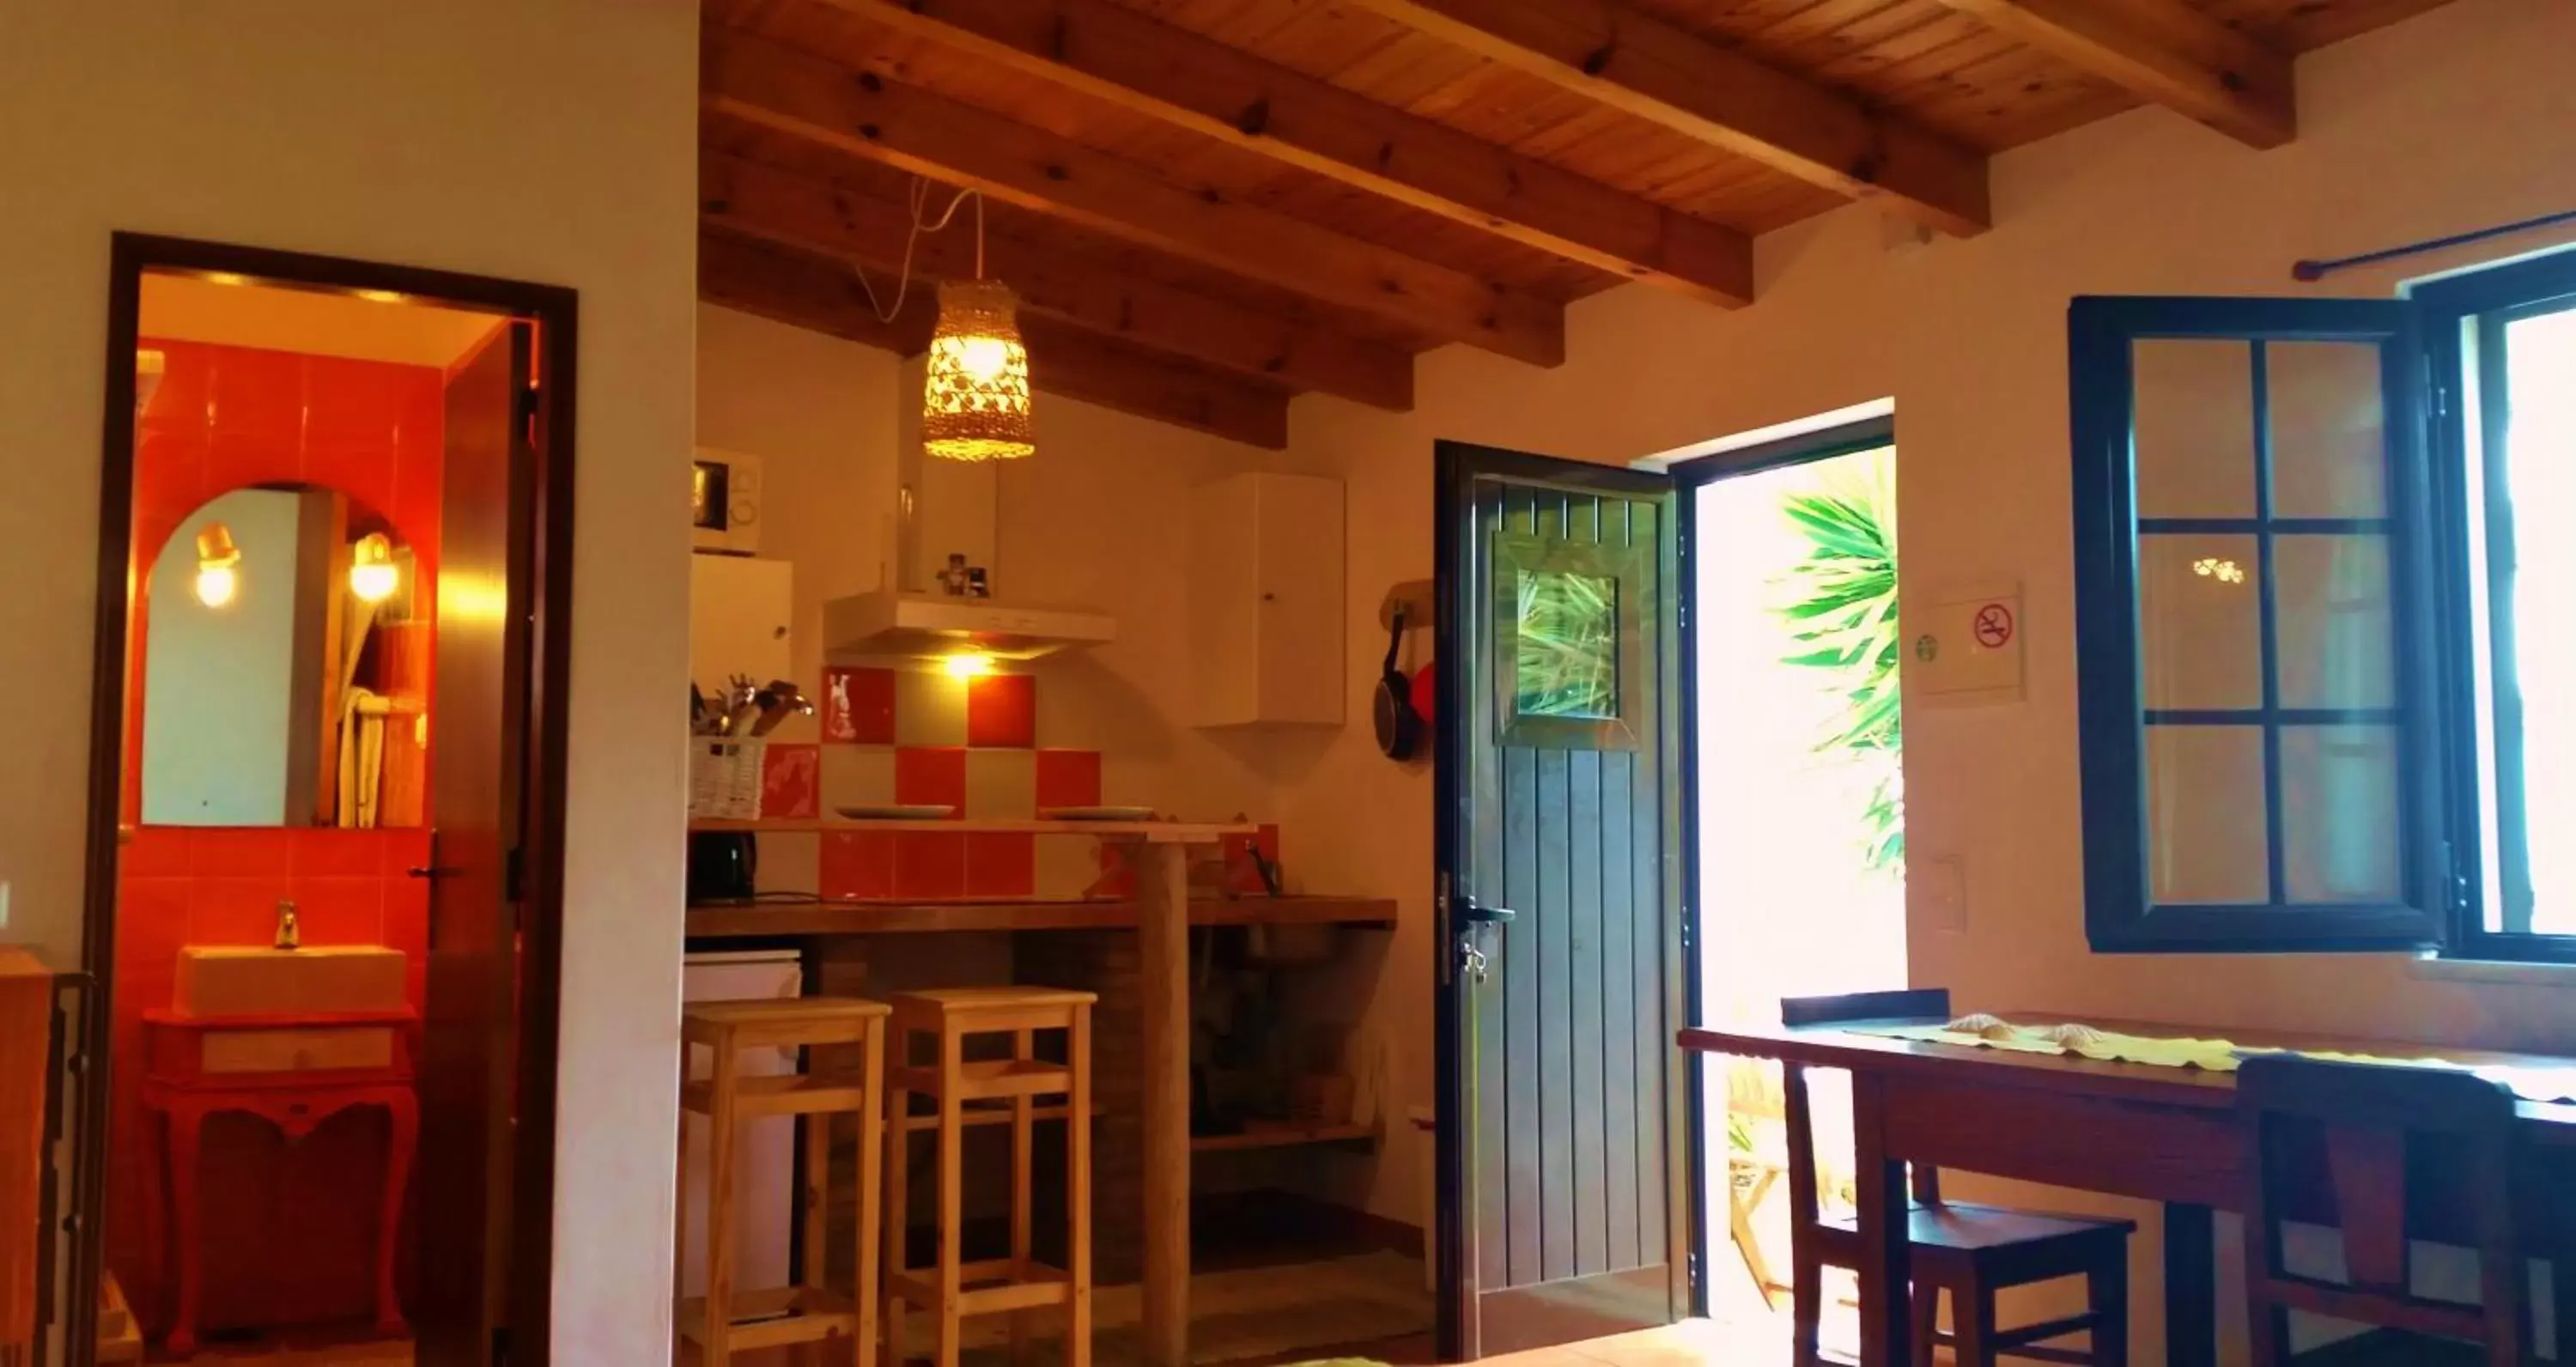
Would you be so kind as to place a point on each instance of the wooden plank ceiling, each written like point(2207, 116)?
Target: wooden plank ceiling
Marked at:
point(1208, 206)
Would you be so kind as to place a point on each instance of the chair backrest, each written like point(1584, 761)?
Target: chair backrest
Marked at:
point(2358, 1144)
point(1920, 1004)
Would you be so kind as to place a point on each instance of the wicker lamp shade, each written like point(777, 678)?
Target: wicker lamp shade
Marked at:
point(975, 400)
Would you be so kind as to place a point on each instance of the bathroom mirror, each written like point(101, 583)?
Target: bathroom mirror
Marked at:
point(285, 673)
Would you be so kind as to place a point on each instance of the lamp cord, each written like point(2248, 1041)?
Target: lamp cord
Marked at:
point(920, 200)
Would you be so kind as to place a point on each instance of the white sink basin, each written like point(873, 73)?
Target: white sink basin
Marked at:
point(220, 982)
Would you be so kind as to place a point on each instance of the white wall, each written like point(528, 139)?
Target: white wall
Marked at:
point(2452, 121)
point(551, 142)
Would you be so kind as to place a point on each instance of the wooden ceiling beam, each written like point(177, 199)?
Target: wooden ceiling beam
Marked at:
point(2164, 51)
point(803, 96)
point(1668, 75)
point(822, 295)
point(838, 220)
point(1137, 63)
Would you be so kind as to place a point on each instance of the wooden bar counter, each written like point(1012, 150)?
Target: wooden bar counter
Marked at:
point(1161, 913)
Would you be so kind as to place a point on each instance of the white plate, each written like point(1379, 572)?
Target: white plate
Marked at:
point(897, 811)
point(1098, 813)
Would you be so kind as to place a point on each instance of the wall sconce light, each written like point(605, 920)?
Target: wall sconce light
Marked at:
point(218, 565)
point(373, 575)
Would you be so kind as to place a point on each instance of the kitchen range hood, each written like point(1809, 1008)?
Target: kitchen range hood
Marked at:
point(947, 512)
point(888, 622)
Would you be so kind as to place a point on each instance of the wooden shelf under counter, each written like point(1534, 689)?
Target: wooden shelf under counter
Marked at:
point(762, 920)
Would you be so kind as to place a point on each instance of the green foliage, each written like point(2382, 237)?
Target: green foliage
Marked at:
point(1568, 645)
point(1840, 607)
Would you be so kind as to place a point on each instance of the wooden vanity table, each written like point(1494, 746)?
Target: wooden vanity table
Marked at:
point(1161, 914)
point(295, 1072)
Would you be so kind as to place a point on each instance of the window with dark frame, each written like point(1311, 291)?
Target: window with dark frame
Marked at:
point(2313, 666)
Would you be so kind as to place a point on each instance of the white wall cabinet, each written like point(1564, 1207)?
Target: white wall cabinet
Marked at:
point(1266, 601)
point(740, 610)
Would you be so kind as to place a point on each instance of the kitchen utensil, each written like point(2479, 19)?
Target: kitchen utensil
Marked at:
point(898, 811)
point(1399, 727)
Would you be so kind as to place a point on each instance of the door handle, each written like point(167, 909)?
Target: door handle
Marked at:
point(1475, 913)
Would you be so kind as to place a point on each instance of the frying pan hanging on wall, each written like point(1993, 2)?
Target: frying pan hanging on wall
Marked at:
point(1399, 726)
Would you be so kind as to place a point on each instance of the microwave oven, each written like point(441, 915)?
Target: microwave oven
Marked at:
point(724, 502)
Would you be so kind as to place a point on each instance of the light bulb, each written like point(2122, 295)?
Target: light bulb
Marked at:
point(967, 664)
point(374, 583)
point(984, 358)
point(216, 584)
point(373, 575)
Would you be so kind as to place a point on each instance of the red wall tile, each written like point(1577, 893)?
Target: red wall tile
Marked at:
point(791, 780)
point(926, 774)
point(857, 864)
point(858, 706)
point(1002, 711)
point(929, 866)
point(1001, 864)
point(1068, 778)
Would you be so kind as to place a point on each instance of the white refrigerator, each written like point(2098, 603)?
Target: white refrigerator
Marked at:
point(764, 1150)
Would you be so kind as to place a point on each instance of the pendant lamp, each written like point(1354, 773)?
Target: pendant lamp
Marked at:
point(975, 395)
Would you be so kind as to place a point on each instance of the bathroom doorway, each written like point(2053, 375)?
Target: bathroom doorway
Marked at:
point(326, 796)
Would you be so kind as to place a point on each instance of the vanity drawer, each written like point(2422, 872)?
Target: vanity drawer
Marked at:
point(323, 1049)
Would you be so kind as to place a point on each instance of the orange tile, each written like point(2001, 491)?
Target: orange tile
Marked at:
point(235, 911)
point(341, 911)
point(242, 852)
point(154, 852)
point(339, 854)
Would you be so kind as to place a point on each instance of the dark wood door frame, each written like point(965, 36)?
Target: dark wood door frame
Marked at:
point(556, 313)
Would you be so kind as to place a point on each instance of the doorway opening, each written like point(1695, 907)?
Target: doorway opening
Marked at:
point(1801, 814)
point(316, 1080)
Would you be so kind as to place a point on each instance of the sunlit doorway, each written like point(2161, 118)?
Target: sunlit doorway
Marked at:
point(1801, 825)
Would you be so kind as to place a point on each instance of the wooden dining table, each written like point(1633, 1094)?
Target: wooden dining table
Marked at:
point(2155, 1133)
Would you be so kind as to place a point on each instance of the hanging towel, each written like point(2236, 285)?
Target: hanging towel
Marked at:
point(362, 756)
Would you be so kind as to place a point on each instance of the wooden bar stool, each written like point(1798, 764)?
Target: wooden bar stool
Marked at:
point(725, 1322)
point(1016, 1284)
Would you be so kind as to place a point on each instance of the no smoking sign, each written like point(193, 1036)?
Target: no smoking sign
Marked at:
point(1993, 626)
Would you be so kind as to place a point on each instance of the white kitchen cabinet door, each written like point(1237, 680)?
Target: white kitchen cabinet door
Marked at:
point(739, 611)
point(1266, 601)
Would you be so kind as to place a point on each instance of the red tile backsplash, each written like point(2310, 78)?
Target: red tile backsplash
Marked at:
point(858, 706)
point(1068, 778)
point(929, 866)
point(931, 774)
point(791, 780)
point(857, 864)
point(1001, 864)
point(1002, 711)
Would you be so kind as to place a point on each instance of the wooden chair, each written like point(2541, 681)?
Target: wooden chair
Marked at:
point(2344, 1133)
point(1968, 1251)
